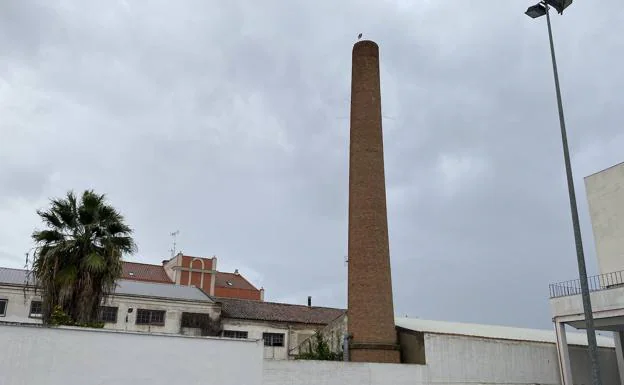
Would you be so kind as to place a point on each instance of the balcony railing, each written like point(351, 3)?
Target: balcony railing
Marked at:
point(596, 283)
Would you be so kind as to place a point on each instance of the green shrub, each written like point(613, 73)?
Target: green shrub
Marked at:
point(60, 318)
point(320, 350)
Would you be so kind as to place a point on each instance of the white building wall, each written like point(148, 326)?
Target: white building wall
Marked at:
point(174, 310)
point(32, 355)
point(604, 300)
point(255, 329)
point(19, 307)
point(605, 196)
point(468, 360)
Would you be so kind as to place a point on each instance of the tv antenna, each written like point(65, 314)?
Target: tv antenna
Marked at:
point(174, 235)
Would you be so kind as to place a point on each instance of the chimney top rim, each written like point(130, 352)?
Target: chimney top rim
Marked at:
point(365, 48)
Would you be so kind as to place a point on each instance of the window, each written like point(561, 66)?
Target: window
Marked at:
point(3, 307)
point(108, 314)
point(150, 317)
point(195, 320)
point(273, 339)
point(36, 309)
point(234, 334)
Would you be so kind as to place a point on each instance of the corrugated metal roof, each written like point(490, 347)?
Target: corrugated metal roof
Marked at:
point(495, 332)
point(13, 276)
point(161, 290)
point(146, 289)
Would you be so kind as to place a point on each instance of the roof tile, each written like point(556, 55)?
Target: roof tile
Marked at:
point(233, 281)
point(278, 312)
point(144, 272)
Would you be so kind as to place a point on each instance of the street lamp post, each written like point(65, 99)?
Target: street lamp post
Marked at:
point(536, 11)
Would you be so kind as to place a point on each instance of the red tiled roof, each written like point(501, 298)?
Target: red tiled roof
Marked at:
point(278, 312)
point(144, 272)
point(236, 281)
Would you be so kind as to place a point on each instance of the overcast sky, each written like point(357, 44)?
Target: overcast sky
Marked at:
point(228, 121)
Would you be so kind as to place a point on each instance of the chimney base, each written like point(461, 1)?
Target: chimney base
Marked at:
point(380, 353)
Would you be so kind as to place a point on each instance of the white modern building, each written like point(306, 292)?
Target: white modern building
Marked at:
point(605, 196)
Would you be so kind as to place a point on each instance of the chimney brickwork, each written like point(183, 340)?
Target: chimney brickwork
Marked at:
point(370, 305)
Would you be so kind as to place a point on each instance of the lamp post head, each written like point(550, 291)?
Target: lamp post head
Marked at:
point(541, 8)
point(538, 10)
point(559, 5)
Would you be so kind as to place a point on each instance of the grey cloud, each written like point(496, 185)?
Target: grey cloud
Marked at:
point(228, 121)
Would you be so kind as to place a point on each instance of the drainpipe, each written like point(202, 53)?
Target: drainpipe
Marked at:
point(345, 347)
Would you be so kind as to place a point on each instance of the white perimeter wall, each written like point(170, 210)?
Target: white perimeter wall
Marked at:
point(468, 360)
point(451, 360)
point(36, 355)
point(340, 373)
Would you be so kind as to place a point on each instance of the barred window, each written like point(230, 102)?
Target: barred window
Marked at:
point(108, 314)
point(194, 320)
point(150, 317)
point(235, 334)
point(273, 339)
point(36, 309)
point(3, 307)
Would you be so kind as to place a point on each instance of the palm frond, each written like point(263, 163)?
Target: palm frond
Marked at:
point(48, 236)
point(50, 219)
point(94, 263)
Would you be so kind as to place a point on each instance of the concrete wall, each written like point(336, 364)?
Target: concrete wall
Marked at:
point(412, 347)
point(36, 355)
point(465, 360)
point(31, 356)
point(340, 373)
point(602, 301)
point(605, 196)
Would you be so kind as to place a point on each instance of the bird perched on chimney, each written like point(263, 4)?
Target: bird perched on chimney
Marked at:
point(359, 36)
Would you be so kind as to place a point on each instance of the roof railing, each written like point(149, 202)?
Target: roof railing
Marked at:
point(596, 283)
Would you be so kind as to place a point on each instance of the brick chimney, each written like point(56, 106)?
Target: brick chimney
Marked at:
point(370, 307)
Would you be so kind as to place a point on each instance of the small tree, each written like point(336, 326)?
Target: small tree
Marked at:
point(77, 258)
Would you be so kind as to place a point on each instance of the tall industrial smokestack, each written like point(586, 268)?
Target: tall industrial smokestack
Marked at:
point(371, 311)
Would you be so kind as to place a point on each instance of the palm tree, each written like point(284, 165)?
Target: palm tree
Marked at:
point(77, 259)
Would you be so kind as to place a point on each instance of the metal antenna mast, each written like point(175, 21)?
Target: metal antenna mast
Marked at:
point(174, 235)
